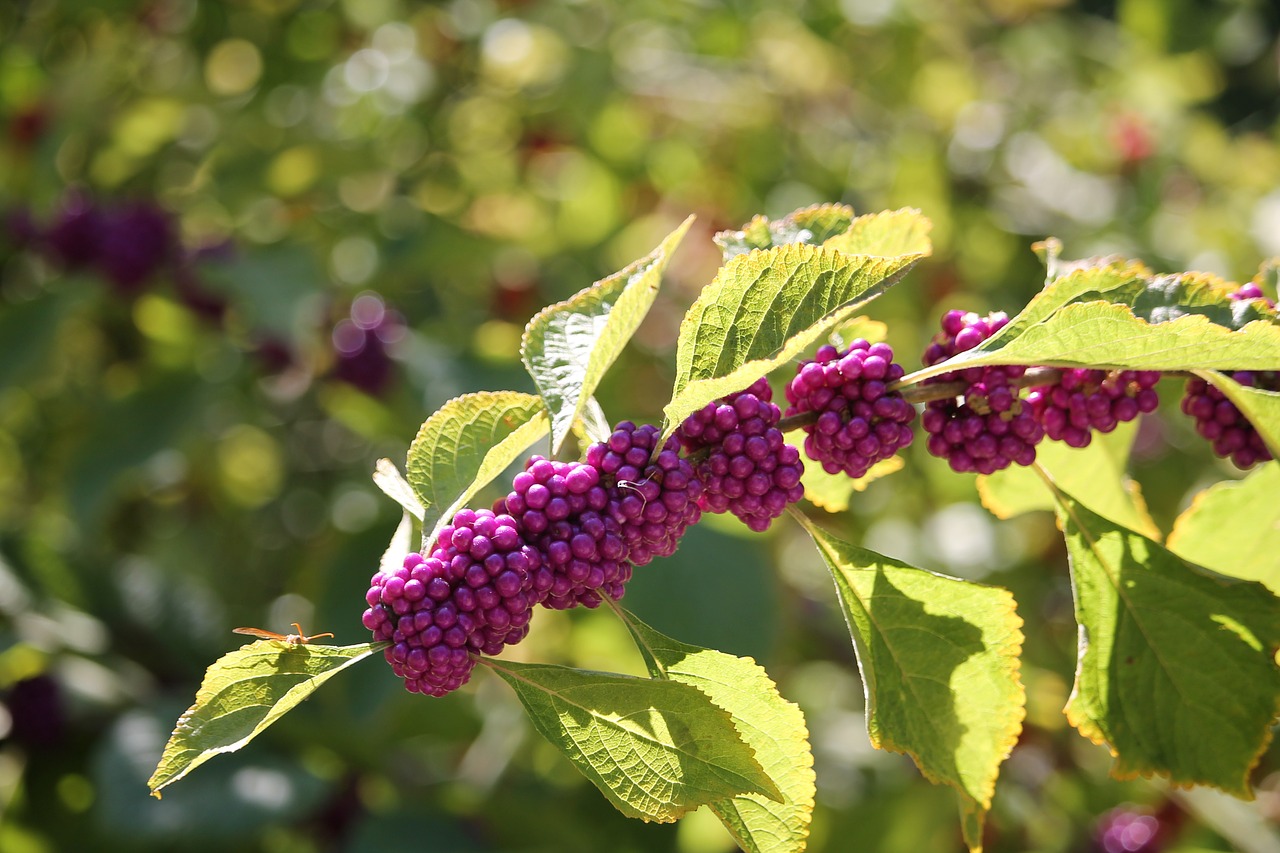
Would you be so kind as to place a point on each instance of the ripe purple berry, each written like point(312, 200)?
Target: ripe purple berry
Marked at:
point(473, 594)
point(1225, 426)
point(748, 470)
point(859, 421)
point(989, 427)
point(653, 503)
point(1087, 400)
point(562, 510)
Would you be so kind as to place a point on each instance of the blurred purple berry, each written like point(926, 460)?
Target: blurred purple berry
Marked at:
point(360, 344)
point(136, 241)
point(1128, 830)
point(74, 237)
point(859, 422)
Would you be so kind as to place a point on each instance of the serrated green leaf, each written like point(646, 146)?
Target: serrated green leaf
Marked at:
point(764, 308)
point(887, 234)
point(243, 693)
point(1176, 673)
point(939, 663)
point(1145, 323)
point(655, 749)
point(770, 725)
point(1262, 408)
point(467, 442)
point(811, 225)
point(1098, 471)
point(568, 347)
point(1233, 527)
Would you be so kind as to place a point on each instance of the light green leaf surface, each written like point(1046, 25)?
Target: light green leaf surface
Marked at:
point(764, 308)
point(1146, 322)
point(1097, 471)
point(940, 666)
point(655, 749)
point(568, 347)
point(245, 691)
point(1233, 527)
point(769, 724)
point(1176, 672)
point(387, 477)
point(1262, 408)
point(811, 225)
point(467, 442)
point(887, 234)
point(833, 492)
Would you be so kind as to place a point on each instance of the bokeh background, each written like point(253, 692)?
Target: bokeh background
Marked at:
point(250, 245)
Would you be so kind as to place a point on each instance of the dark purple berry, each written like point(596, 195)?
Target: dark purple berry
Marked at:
point(473, 594)
point(859, 421)
point(653, 502)
point(74, 238)
point(748, 469)
point(136, 241)
point(989, 427)
point(360, 344)
point(1087, 400)
point(562, 510)
point(1225, 426)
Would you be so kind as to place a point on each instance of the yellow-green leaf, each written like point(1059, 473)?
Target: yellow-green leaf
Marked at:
point(769, 724)
point(1233, 527)
point(245, 691)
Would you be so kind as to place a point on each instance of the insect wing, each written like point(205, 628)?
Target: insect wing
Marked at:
point(260, 633)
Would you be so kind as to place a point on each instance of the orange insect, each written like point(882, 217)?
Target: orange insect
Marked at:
point(297, 639)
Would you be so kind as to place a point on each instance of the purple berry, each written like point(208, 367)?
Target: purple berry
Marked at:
point(989, 427)
point(136, 241)
point(748, 470)
point(1128, 830)
point(563, 510)
point(473, 594)
point(652, 502)
point(1086, 401)
point(360, 344)
point(860, 422)
point(1225, 426)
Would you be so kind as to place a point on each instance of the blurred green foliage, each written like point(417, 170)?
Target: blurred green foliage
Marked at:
point(194, 454)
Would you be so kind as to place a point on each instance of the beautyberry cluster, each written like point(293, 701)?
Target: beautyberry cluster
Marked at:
point(987, 426)
point(1086, 400)
point(653, 503)
point(1128, 830)
point(562, 508)
point(1225, 426)
point(860, 421)
point(748, 470)
point(473, 593)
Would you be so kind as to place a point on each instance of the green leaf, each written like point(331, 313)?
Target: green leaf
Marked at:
point(245, 691)
point(939, 663)
point(810, 225)
point(890, 233)
point(764, 308)
point(568, 347)
point(769, 724)
point(1176, 672)
point(833, 492)
point(655, 749)
point(1145, 323)
point(467, 442)
point(1233, 527)
point(1098, 471)
point(1262, 408)
point(393, 484)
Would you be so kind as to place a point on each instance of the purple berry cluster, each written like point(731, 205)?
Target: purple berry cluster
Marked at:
point(860, 421)
point(988, 427)
point(653, 503)
point(1251, 291)
point(361, 341)
point(474, 593)
point(1086, 400)
point(562, 508)
point(748, 470)
point(1225, 426)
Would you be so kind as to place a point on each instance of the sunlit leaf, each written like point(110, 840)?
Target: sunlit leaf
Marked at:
point(764, 308)
point(1097, 471)
point(940, 666)
point(833, 492)
point(810, 225)
point(467, 442)
point(656, 749)
point(769, 724)
point(245, 691)
point(1176, 672)
point(1233, 528)
point(568, 347)
point(387, 477)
